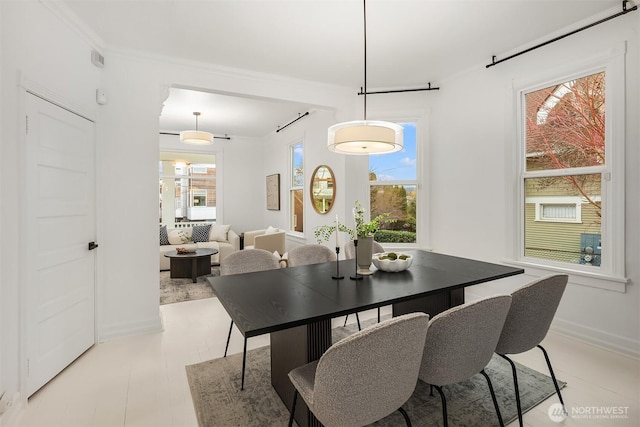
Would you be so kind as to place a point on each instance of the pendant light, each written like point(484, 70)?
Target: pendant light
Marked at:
point(363, 137)
point(196, 137)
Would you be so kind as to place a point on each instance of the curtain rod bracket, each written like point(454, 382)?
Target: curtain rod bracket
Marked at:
point(624, 11)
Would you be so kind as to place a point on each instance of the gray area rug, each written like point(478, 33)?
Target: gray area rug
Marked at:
point(179, 290)
point(218, 401)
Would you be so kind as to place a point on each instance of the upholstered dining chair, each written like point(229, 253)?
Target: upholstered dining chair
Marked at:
point(461, 342)
point(532, 309)
point(246, 261)
point(366, 376)
point(310, 254)
point(314, 254)
point(350, 253)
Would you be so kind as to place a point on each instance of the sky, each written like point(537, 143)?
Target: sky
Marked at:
point(400, 165)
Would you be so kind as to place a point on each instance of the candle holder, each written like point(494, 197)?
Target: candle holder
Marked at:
point(337, 276)
point(355, 249)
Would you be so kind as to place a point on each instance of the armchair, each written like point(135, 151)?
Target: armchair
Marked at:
point(270, 239)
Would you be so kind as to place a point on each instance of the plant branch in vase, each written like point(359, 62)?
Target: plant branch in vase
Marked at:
point(364, 232)
point(187, 244)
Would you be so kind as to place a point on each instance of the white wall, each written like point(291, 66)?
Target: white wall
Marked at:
point(472, 146)
point(469, 135)
point(136, 87)
point(468, 175)
point(37, 50)
point(240, 198)
point(54, 57)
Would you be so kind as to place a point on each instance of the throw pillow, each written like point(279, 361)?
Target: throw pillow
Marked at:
point(200, 233)
point(179, 237)
point(219, 233)
point(164, 237)
point(271, 230)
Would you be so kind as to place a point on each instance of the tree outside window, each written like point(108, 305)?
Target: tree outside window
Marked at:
point(565, 164)
point(393, 180)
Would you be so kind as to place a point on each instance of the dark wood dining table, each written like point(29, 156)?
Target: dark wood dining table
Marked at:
point(296, 304)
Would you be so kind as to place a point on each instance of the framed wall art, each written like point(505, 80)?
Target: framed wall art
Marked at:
point(273, 192)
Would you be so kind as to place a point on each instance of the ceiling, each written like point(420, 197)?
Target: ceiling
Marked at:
point(409, 44)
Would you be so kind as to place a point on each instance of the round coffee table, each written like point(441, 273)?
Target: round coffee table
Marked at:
point(190, 264)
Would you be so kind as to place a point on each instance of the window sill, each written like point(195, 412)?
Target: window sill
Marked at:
point(296, 236)
point(579, 277)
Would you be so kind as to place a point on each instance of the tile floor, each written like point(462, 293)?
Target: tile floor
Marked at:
point(141, 381)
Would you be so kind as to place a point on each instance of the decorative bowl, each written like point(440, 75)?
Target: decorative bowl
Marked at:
point(186, 249)
point(392, 261)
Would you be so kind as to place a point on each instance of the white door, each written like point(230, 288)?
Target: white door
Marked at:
point(58, 225)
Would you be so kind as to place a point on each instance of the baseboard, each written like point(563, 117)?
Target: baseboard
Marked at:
point(594, 337)
point(597, 338)
point(117, 330)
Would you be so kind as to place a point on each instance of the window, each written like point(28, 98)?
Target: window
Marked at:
point(393, 188)
point(296, 198)
point(571, 173)
point(188, 189)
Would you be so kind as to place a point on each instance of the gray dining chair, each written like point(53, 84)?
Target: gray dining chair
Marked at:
point(314, 254)
point(461, 342)
point(350, 253)
point(365, 376)
point(532, 309)
point(246, 261)
point(310, 254)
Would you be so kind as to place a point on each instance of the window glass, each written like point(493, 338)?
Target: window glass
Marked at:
point(564, 146)
point(393, 180)
point(565, 125)
point(297, 187)
point(188, 189)
point(558, 231)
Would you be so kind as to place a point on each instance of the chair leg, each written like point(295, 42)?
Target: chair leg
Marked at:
point(515, 386)
point(493, 397)
point(378, 314)
point(293, 407)
point(444, 406)
point(405, 415)
point(228, 339)
point(358, 319)
point(345, 320)
point(553, 377)
point(244, 363)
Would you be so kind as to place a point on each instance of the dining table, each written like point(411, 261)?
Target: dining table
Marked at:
point(295, 305)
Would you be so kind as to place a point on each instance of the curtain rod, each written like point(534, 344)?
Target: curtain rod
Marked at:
point(399, 90)
point(215, 137)
point(293, 121)
point(624, 11)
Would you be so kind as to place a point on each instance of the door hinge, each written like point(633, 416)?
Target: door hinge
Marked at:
point(26, 125)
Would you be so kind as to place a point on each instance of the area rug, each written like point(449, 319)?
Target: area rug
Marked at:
point(218, 401)
point(179, 290)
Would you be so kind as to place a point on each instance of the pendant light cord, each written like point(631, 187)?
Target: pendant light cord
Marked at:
point(365, 57)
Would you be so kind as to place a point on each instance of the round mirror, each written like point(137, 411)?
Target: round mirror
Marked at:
point(323, 191)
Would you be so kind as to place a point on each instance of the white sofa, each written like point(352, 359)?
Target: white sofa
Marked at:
point(220, 237)
point(270, 239)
